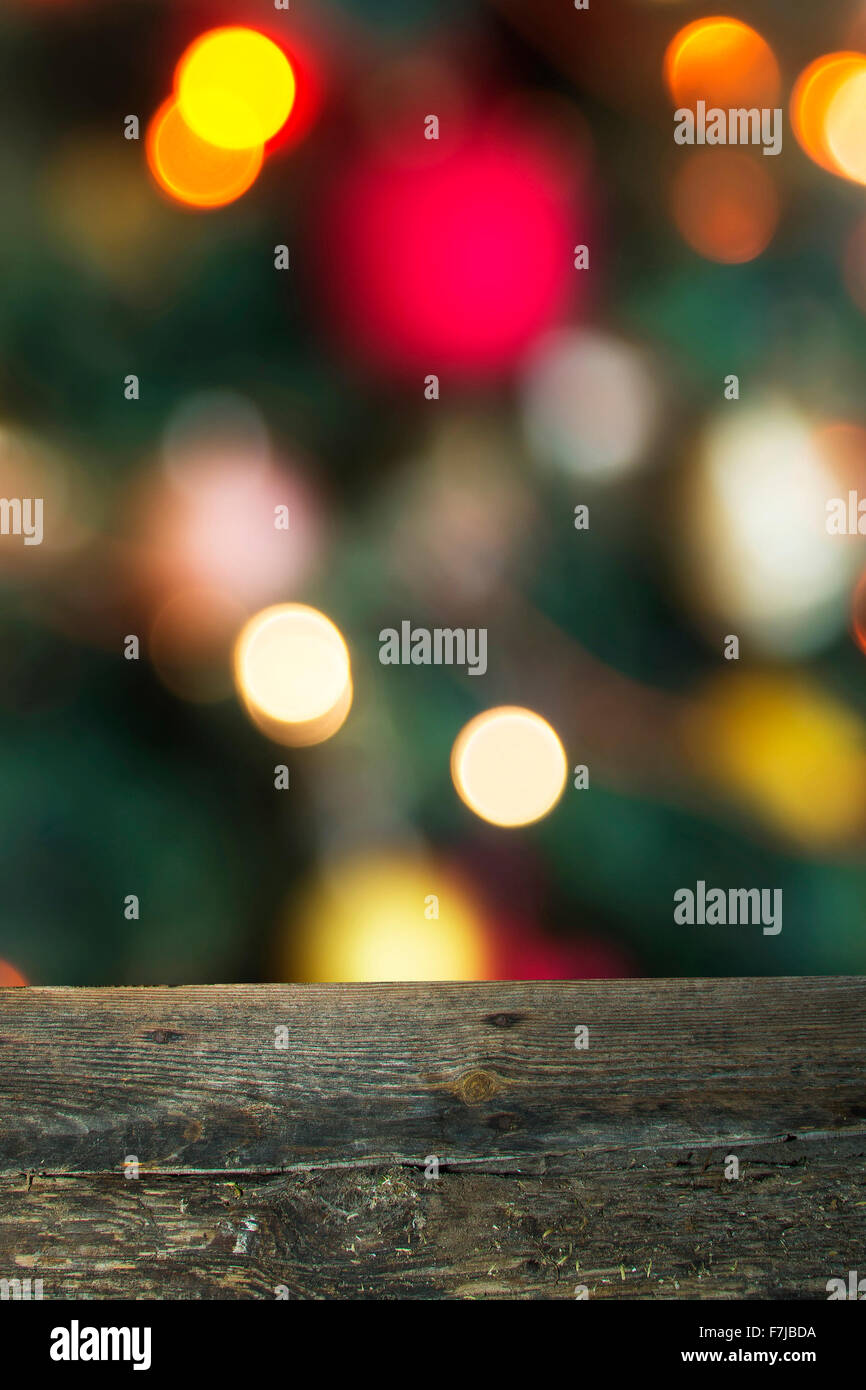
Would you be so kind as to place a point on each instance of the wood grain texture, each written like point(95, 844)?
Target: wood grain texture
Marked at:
point(305, 1167)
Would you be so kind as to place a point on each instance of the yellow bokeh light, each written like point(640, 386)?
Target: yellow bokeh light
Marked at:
point(369, 918)
point(235, 87)
point(193, 170)
point(292, 672)
point(787, 749)
point(509, 766)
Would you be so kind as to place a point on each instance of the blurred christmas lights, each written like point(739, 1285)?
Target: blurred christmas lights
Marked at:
point(457, 258)
point(523, 952)
point(509, 766)
point(812, 100)
point(222, 514)
point(858, 613)
point(191, 169)
point(293, 674)
point(842, 444)
point(386, 916)
point(723, 62)
point(234, 88)
point(458, 262)
point(786, 749)
point(725, 205)
point(845, 129)
point(590, 404)
point(757, 558)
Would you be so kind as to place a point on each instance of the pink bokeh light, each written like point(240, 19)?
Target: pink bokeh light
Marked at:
point(524, 952)
point(214, 529)
point(453, 261)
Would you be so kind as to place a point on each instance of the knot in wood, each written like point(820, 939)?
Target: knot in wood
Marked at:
point(477, 1086)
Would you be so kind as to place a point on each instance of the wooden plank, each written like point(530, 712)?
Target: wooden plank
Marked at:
point(190, 1080)
point(307, 1168)
point(671, 1229)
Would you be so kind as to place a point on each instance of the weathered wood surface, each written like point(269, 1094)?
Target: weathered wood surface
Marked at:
point(305, 1167)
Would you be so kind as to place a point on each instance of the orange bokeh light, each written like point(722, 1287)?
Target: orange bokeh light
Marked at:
point(858, 613)
point(842, 445)
point(845, 131)
point(725, 205)
point(10, 976)
point(191, 170)
point(812, 97)
point(723, 62)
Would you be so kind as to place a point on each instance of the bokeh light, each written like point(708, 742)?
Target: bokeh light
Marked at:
point(368, 918)
point(9, 976)
point(786, 749)
point(814, 93)
point(590, 403)
point(842, 444)
point(725, 205)
point(235, 88)
point(723, 62)
point(858, 613)
point(192, 170)
point(309, 69)
point(456, 264)
point(509, 766)
point(222, 514)
point(523, 952)
point(293, 674)
point(846, 126)
point(758, 560)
